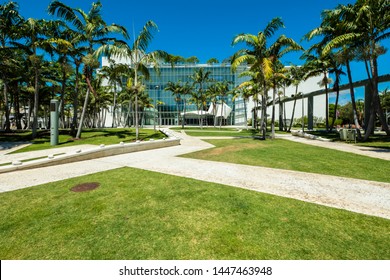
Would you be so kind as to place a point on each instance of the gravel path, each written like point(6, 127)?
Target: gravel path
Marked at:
point(372, 198)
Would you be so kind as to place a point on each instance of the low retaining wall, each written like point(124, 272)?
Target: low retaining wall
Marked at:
point(99, 152)
point(299, 133)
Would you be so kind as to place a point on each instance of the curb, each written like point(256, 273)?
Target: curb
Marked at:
point(99, 152)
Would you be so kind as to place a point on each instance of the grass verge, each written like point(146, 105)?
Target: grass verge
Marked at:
point(92, 136)
point(215, 131)
point(147, 215)
point(289, 155)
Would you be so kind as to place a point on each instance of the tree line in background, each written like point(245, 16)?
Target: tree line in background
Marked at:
point(41, 60)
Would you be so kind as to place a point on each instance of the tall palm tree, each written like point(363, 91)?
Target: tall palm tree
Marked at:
point(180, 93)
point(336, 23)
point(138, 56)
point(176, 90)
point(223, 92)
point(257, 57)
point(370, 24)
point(212, 93)
point(113, 73)
point(10, 20)
point(92, 31)
point(33, 32)
point(200, 79)
point(245, 92)
point(296, 76)
point(263, 57)
point(317, 64)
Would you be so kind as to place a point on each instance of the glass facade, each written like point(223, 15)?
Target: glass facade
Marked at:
point(167, 109)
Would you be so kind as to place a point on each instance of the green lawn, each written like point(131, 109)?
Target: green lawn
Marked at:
point(215, 131)
point(289, 155)
point(378, 140)
point(105, 136)
point(147, 215)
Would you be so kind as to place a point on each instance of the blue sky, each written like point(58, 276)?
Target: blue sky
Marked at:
point(206, 28)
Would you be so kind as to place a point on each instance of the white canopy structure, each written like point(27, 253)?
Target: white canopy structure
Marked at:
point(220, 110)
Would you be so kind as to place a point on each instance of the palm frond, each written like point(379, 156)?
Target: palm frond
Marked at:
point(339, 41)
point(273, 26)
point(65, 12)
point(146, 35)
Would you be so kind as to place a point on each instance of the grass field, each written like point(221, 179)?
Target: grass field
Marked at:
point(92, 136)
point(215, 131)
point(289, 155)
point(147, 215)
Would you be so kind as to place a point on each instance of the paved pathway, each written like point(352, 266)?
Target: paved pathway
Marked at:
point(349, 148)
point(372, 198)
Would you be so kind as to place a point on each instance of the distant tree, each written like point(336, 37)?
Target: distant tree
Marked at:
point(212, 61)
point(192, 60)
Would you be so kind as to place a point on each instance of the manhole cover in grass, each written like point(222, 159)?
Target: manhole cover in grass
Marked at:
point(85, 187)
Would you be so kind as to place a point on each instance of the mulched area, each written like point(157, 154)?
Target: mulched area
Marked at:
point(85, 187)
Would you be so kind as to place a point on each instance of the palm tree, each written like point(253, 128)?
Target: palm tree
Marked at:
point(138, 56)
point(176, 90)
point(370, 24)
point(244, 91)
point(92, 31)
point(296, 76)
point(223, 90)
point(180, 93)
point(336, 23)
point(113, 73)
point(258, 56)
point(200, 78)
point(33, 31)
point(10, 20)
point(317, 64)
point(186, 91)
point(212, 93)
point(277, 50)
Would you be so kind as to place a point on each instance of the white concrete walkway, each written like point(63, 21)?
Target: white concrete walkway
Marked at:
point(372, 198)
point(349, 148)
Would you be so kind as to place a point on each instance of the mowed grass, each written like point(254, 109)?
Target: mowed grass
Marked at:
point(216, 131)
point(147, 215)
point(105, 136)
point(284, 154)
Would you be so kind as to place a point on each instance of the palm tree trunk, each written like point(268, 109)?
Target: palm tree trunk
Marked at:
point(136, 117)
point(63, 84)
point(36, 104)
point(7, 125)
point(293, 111)
point(17, 107)
point(114, 109)
point(335, 108)
point(377, 104)
point(83, 114)
point(184, 114)
point(75, 102)
point(220, 124)
point(273, 112)
point(353, 100)
point(284, 116)
point(326, 102)
point(245, 114)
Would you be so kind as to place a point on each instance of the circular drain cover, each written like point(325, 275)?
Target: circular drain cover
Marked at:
point(85, 187)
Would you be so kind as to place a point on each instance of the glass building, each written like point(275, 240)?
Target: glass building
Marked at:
point(165, 109)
